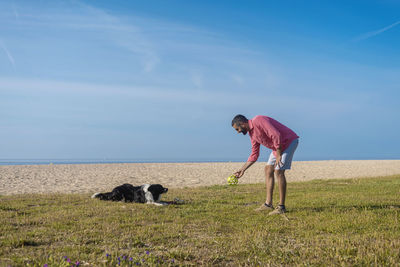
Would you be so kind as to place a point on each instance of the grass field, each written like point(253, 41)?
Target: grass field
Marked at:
point(330, 222)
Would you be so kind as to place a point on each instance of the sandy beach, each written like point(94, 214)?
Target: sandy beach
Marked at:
point(90, 178)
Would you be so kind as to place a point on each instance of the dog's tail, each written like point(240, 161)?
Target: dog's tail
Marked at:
point(104, 196)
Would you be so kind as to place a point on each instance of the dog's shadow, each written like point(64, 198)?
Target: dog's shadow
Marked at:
point(176, 201)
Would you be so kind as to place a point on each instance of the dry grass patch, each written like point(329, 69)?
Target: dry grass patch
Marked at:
point(331, 222)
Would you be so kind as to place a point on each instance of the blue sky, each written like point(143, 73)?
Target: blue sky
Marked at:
point(162, 80)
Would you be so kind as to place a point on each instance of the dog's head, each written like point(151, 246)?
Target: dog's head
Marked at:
point(156, 190)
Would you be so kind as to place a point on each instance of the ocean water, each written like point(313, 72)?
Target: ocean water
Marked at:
point(95, 161)
point(110, 161)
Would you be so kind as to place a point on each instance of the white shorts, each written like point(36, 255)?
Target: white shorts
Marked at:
point(287, 156)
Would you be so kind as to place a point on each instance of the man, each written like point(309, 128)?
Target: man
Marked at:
point(283, 142)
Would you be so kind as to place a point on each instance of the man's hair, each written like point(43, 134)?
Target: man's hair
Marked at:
point(238, 119)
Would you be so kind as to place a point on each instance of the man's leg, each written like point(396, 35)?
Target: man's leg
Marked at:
point(287, 157)
point(280, 174)
point(269, 183)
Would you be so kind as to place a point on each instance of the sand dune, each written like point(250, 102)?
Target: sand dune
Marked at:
point(89, 178)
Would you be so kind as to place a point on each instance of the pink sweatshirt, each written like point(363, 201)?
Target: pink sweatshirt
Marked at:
point(270, 133)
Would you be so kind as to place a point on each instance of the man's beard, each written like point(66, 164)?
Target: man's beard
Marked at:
point(244, 132)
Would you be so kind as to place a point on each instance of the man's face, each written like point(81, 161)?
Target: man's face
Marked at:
point(240, 128)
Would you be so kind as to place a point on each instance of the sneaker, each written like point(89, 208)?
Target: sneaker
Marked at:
point(264, 207)
point(278, 210)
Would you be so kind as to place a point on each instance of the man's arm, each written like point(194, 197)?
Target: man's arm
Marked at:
point(255, 152)
point(279, 157)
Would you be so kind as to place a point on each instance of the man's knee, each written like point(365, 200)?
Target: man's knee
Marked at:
point(269, 170)
point(280, 174)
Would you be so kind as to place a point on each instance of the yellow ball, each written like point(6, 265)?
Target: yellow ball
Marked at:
point(232, 180)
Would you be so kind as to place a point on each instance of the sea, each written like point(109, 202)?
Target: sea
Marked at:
point(116, 161)
point(97, 161)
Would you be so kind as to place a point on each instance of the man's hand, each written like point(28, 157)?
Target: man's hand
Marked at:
point(278, 162)
point(239, 173)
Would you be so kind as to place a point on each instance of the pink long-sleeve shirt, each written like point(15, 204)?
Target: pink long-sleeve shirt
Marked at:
point(270, 133)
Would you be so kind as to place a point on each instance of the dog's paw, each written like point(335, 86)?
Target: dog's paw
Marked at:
point(95, 195)
point(161, 203)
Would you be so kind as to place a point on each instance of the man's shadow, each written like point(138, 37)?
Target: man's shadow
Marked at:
point(352, 207)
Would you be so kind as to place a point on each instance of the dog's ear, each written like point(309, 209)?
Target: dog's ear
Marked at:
point(157, 189)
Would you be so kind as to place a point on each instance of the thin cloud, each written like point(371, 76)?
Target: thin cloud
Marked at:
point(197, 79)
point(16, 14)
point(178, 96)
point(149, 43)
point(84, 17)
point(238, 79)
point(7, 52)
point(128, 36)
point(374, 33)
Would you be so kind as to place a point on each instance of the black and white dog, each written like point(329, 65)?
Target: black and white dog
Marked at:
point(147, 193)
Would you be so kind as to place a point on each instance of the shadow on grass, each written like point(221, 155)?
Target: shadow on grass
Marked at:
point(180, 202)
point(350, 207)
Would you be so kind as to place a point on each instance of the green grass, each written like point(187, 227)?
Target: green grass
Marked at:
point(331, 222)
